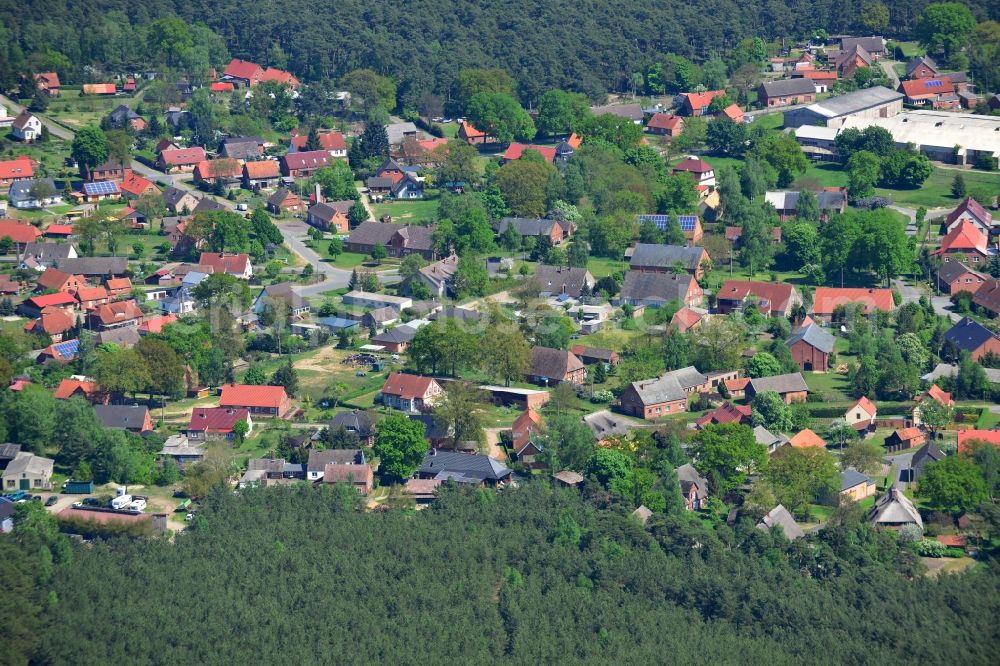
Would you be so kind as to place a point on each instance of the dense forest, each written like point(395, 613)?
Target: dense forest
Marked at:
point(533, 575)
point(588, 46)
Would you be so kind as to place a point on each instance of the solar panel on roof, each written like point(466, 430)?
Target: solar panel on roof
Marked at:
point(661, 221)
point(933, 84)
point(101, 187)
point(687, 222)
point(67, 349)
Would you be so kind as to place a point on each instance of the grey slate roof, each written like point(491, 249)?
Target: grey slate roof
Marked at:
point(950, 370)
point(814, 336)
point(318, 460)
point(125, 338)
point(604, 424)
point(46, 251)
point(207, 205)
point(779, 516)
point(951, 270)
point(172, 196)
point(121, 417)
point(90, 266)
point(916, 62)
point(661, 287)
point(461, 314)
point(872, 44)
point(462, 467)
point(356, 421)
point(851, 477)
point(326, 210)
point(553, 279)
point(688, 473)
point(659, 390)
point(968, 335)
point(20, 190)
point(553, 363)
point(398, 335)
point(666, 256)
point(787, 87)
point(780, 383)
point(928, 453)
point(688, 377)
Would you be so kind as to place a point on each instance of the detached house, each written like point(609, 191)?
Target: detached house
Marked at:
point(331, 141)
point(828, 299)
point(180, 159)
point(226, 170)
point(653, 258)
point(556, 280)
point(179, 201)
point(216, 422)
point(861, 415)
point(652, 398)
point(410, 393)
point(550, 366)
point(27, 127)
point(811, 347)
point(696, 104)
point(791, 387)
point(48, 83)
point(965, 242)
point(969, 210)
point(657, 289)
point(554, 230)
point(971, 336)
point(134, 418)
point(702, 171)
point(261, 175)
point(121, 314)
point(398, 240)
point(935, 93)
point(304, 164)
point(775, 299)
point(439, 277)
point(14, 170)
point(237, 265)
point(665, 124)
point(786, 92)
point(330, 216)
point(265, 401)
point(284, 201)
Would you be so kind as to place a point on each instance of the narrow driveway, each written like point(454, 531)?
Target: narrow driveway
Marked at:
point(890, 71)
point(902, 463)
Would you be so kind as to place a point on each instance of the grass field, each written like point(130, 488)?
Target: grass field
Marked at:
point(936, 190)
point(408, 212)
point(602, 266)
point(75, 111)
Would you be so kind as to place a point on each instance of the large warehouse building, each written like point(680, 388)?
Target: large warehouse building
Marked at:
point(868, 104)
point(958, 138)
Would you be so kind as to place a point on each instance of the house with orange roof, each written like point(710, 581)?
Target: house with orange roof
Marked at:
point(523, 435)
point(966, 242)
point(87, 389)
point(54, 279)
point(33, 307)
point(331, 141)
point(180, 159)
point(222, 87)
point(687, 318)
point(261, 174)
point(156, 324)
point(259, 400)
point(665, 124)
point(515, 150)
point(100, 89)
point(227, 170)
point(733, 112)
point(91, 297)
point(118, 286)
point(242, 73)
point(737, 388)
point(48, 83)
point(275, 75)
point(969, 210)
point(905, 438)
point(11, 171)
point(410, 393)
point(936, 393)
point(828, 299)
point(966, 438)
point(770, 298)
point(696, 103)
point(806, 439)
point(110, 316)
point(937, 93)
point(469, 134)
point(53, 322)
point(725, 413)
point(861, 415)
point(134, 186)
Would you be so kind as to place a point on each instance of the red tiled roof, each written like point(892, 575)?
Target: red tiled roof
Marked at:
point(136, 184)
point(48, 79)
point(966, 437)
point(919, 87)
point(738, 384)
point(693, 165)
point(685, 318)
point(221, 168)
point(52, 321)
point(59, 230)
point(820, 75)
point(183, 156)
point(156, 324)
point(53, 278)
point(515, 150)
point(528, 421)
point(940, 395)
point(225, 263)
point(574, 141)
point(667, 121)
point(964, 236)
point(726, 413)
point(17, 168)
point(733, 112)
point(307, 159)
point(216, 419)
point(701, 100)
point(806, 439)
point(242, 69)
point(68, 387)
point(826, 299)
point(407, 386)
point(57, 299)
point(469, 131)
point(116, 284)
point(262, 169)
point(866, 405)
point(248, 395)
point(772, 296)
point(111, 313)
point(222, 86)
point(279, 76)
point(99, 89)
point(431, 144)
point(327, 141)
point(952, 540)
point(19, 231)
point(908, 433)
point(91, 293)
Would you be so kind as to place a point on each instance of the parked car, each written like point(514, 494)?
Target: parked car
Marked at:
point(51, 500)
point(91, 501)
point(360, 373)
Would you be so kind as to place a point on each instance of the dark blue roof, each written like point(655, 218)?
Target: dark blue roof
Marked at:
point(968, 335)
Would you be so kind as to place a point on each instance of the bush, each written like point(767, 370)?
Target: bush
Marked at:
point(872, 203)
point(602, 396)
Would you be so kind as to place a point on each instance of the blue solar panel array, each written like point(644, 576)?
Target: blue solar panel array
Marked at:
point(101, 187)
point(687, 222)
point(67, 349)
point(933, 84)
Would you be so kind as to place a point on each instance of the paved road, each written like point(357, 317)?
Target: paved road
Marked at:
point(890, 71)
point(56, 130)
point(902, 462)
point(295, 233)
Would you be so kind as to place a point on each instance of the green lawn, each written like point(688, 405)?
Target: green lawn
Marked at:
point(449, 130)
point(829, 384)
point(408, 212)
point(936, 190)
point(347, 260)
point(770, 121)
point(602, 266)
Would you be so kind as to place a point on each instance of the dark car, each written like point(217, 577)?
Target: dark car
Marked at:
point(52, 500)
point(91, 501)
